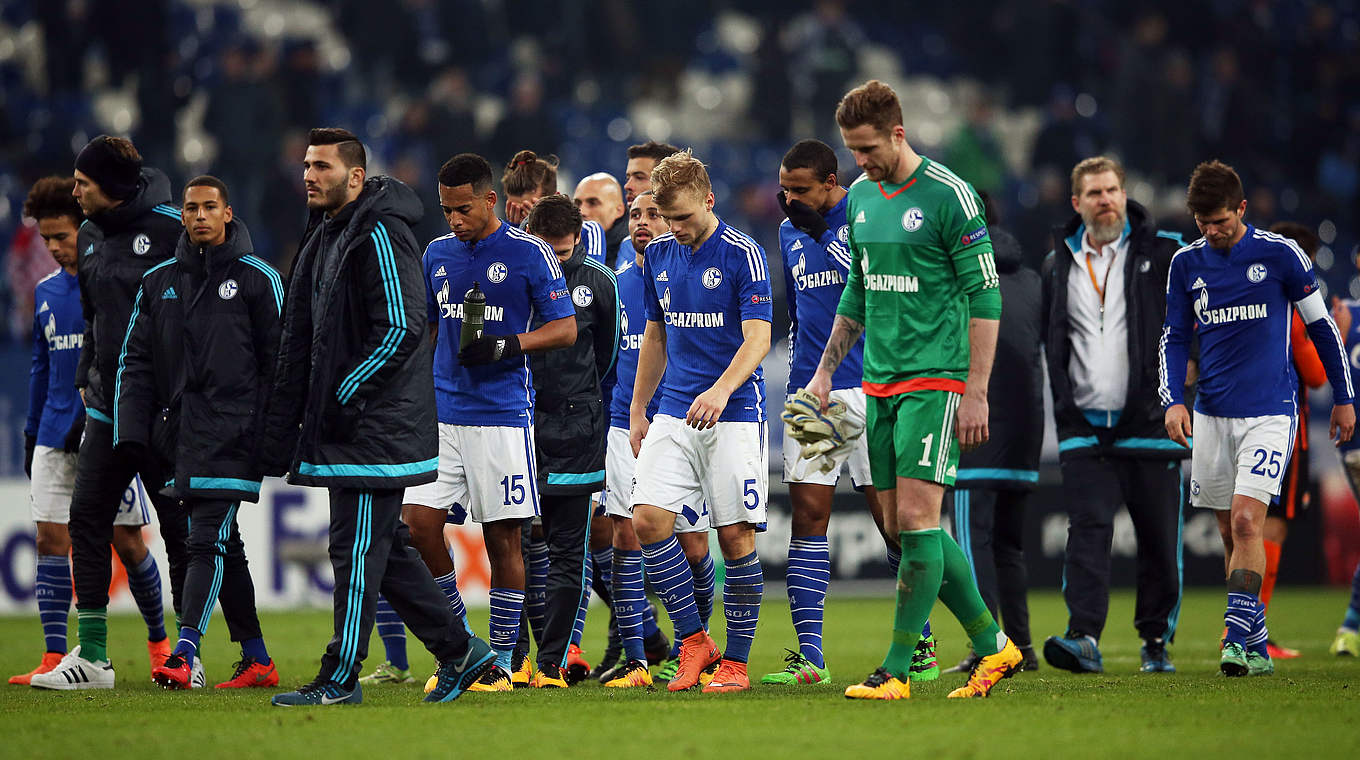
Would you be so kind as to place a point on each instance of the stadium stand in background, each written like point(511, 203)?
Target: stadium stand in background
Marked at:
point(1009, 93)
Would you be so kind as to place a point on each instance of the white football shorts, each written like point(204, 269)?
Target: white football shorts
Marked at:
point(1239, 455)
point(54, 479)
point(798, 470)
point(620, 466)
point(488, 473)
point(724, 466)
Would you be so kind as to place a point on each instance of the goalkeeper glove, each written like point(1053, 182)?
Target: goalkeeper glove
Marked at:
point(803, 414)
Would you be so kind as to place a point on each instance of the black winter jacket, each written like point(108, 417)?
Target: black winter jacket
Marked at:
point(571, 420)
point(196, 365)
point(613, 241)
point(1140, 431)
point(1015, 393)
point(352, 403)
point(115, 249)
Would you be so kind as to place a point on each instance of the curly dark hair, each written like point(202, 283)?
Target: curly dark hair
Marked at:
point(51, 197)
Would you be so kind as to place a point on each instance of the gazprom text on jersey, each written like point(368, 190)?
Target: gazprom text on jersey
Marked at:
point(895, 283)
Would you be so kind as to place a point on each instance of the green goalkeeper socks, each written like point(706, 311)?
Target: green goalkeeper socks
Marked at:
point(918, 583)
point(92, 626)
point(959, 592)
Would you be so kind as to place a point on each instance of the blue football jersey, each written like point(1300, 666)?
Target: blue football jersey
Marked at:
point(814, 276)
point(1353, 360)
point(58, 335)
point(592, 237)
point(1240, 303)
point(521, 278)
point(702, 296)
point(632, 323)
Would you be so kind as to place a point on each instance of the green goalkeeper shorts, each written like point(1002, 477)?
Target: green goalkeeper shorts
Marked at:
point(911, 435)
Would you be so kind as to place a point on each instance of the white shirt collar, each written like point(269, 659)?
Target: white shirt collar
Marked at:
point(1115, 248)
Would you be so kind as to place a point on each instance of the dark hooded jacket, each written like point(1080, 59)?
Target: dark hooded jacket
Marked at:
point(571, 418)
point(115, 248)
point(613, 239)
point(196, 365)
point(1140, 431)
point(1015, 396)
point(352, 403)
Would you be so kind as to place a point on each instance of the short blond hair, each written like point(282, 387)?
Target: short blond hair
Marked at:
point(1095, 165)
point(679, 173)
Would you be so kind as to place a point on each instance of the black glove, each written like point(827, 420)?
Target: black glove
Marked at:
point(71, 444)
point(29, 442)
point(490, 348)
point(803, 216)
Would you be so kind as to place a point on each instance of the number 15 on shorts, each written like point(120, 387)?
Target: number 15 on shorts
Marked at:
point(512, 488)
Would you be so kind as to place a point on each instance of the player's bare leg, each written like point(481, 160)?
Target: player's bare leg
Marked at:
point(144, 582)
point(1244, 647)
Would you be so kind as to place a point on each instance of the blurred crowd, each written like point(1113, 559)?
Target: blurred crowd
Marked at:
point(1010, 93)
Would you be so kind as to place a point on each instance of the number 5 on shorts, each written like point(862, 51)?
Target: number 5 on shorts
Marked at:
point(750, 496)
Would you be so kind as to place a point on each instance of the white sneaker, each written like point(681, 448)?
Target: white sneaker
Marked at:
point(197, 678)
point(75, 672)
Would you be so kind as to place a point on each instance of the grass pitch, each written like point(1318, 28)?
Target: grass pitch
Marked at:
point(1310, 708)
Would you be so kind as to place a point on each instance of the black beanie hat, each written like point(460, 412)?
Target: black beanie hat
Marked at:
point(116, 175)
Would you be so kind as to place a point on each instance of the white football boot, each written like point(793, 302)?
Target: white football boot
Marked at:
point(75, 672)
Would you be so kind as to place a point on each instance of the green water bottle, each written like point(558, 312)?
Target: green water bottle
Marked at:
point(474, 316)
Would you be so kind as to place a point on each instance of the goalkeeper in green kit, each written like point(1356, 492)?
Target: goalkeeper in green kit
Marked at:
point(923, 290)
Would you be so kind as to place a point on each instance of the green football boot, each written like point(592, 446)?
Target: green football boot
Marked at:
point(797, 670)
point(1260, 665)
point(1233, 663)
point(923, 664)
point(1346, 644)
point(388, 673)
point(666, 670)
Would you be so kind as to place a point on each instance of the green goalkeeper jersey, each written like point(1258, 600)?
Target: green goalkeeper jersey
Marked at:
point(922, 266)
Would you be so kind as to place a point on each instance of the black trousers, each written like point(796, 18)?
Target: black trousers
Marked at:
point(1094, 488)
point(218, 571)
point(102, 476)
point(989, 525)
point(566, 528)
point(371, 552)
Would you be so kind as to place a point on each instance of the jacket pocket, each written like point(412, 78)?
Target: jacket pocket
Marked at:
point(568, 436)
point(165, 434)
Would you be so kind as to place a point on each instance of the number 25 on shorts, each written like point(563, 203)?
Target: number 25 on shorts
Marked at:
point(1267, 463)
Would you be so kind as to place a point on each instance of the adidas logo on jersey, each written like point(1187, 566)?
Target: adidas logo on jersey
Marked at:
point(1199, 283)
point(797, 245)
point(43, 308)
point(662, 277)
point(440, 271)
point(860, 218)
point(169, 293)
